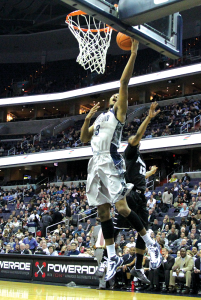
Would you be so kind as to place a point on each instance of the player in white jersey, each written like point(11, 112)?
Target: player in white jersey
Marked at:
point(105, 182)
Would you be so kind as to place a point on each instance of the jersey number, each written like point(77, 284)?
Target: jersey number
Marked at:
point(142, 170)
point(97, 130)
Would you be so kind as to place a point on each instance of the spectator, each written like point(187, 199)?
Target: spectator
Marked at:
point(27, 249)
point(73, 250)
point(198, 244)
point(162, 273)
point(88, 225)
point(56, 218)
point(172, 236)
point(147, 193)
point(155, 226)
point(52, 252)
point(186, 177)
point(194, 191)
point(199, 188)
point(34, 217)
point(167, 199)
point(184, 211)
point(196, 275)
point(187, 184)
point(151, 202)
point(17, 250)
point(23, 250)
point(79, 230)
point(31, 241)
point(46, 221)
point(173, 178)
point(128, 263)
point(131, 243)
point(182, 269)
point(44, 247)
point(8, 249)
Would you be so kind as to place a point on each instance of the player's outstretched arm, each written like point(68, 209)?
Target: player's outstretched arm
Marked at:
point(134, 140)
point(86, 131)
point(122, 103)
point(151, 172)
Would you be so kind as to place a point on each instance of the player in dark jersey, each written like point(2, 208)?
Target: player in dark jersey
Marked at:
point(136, 174)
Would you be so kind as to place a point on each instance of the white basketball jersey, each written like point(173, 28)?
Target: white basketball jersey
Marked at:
point(107, 132)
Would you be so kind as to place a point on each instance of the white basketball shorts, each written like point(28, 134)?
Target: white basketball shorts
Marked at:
point(105, 181)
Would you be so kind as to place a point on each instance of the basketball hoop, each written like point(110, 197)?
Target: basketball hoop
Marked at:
point(94, 40)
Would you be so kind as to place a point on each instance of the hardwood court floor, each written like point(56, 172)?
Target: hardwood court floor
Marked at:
point(20, 290)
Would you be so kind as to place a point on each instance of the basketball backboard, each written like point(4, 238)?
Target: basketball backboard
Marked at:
point(163, 35)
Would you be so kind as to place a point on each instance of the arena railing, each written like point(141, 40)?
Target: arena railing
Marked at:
point(61, 126)
point(150, 184)
point(37, 137)
point(66, 221)
point(196, 120)
point(24, 143)
point(185, 128)
point(87, 216)
point(180, 169)
point(12, 151)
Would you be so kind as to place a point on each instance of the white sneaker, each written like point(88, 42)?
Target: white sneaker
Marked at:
point(112, 264)
point(155, 256)
point(139, 273)
point(101, 270)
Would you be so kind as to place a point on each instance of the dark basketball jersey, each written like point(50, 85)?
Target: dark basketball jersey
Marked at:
point(135, 167)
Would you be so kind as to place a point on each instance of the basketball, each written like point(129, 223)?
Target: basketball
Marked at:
point(123, 41)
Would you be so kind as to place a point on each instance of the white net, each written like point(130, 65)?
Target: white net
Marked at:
point(94, 42)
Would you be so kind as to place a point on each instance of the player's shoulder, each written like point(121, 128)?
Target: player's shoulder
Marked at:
point(130, 147)
point(130, 151)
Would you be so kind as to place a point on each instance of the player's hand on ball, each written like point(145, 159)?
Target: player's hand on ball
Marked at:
point(93, 111)
point(134, 46)
point(152, 111)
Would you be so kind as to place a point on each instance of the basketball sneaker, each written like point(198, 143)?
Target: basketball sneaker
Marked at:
point(139, 273)
point(101, 270)
point(155, 255)
point(112, 264)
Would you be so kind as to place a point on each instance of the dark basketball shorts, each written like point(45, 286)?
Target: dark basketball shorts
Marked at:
point(138, 203)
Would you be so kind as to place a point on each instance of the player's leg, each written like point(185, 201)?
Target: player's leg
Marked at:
point(108, 232)
point(134, 220)
point(101, 269)
point(137, 270)
point(136, 223)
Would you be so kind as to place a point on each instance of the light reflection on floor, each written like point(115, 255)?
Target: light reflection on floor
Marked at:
point(30, 291)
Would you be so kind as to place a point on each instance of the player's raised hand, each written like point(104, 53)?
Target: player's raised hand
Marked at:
point(152, 111)
point(154, 169)
point(93, 111)
point(134, 46)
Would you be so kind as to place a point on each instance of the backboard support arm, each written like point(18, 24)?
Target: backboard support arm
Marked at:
point(105, 13)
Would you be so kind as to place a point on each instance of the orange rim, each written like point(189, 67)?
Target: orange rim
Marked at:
point(80, 12)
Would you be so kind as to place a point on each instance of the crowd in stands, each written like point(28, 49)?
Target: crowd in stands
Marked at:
point(168, 122)
point(174, 221)
point(43, 80)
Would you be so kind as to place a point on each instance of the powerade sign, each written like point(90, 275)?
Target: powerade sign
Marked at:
point(16, 268)
point(81, 272)
point(47, 269)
